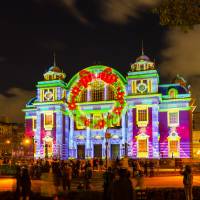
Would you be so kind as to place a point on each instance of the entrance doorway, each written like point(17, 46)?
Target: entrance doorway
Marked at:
point(115, 148)
point(98, 150)
point(81, 151)
point(48, 147)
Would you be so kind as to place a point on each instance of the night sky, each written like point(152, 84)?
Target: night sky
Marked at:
point(82, 33)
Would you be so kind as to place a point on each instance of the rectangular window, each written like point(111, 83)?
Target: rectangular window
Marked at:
point(48, 121)
point(173, 118)
point(142, 115)
point(83, 96)
point(142, 145)
point(173, 146)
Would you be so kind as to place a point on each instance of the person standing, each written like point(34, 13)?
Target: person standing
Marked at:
point(108, 177)
point(151, 166)
point(25, 183)
point(18, 181)
point(188, 181)
point(122, 188)
point(69, 176)
point(101, 164)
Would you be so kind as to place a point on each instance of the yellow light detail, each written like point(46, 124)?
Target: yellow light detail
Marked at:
point(134, 86)
point(171, 141)
point(141, 140)
point(143, 108)
point(149, 86)
point(48, 120)
point(44, 90)
point(34, 123)
point(27, 141)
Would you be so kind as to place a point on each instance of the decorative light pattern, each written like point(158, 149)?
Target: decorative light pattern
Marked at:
point(137, 112)
point(85, 78)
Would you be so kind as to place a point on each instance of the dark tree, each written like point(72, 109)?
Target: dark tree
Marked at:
point(181, 13)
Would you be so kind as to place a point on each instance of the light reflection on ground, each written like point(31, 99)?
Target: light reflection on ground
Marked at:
point(46, 187)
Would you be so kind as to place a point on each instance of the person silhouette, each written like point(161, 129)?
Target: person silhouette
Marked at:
point(187, 181)
point(25, 183)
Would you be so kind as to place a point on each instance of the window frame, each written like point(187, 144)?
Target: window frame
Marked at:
point(173, 137)
point(172, 123)
point(142, 154)
point(48, 126)
point(139, 108)
point(44, 90)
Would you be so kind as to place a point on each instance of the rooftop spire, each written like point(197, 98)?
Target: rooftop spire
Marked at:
point(54, 58)
point(142, 48)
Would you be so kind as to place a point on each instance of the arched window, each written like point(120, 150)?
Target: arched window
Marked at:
point(110, 93)
point(97, 91)
point(172, 93)
point(83, 96)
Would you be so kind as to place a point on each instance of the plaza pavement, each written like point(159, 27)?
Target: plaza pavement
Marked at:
point(46, 187)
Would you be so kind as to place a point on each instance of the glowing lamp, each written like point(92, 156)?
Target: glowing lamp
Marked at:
point(27, 141)
point(7, 141)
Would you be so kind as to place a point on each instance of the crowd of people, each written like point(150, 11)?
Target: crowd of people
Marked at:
point(117, 183)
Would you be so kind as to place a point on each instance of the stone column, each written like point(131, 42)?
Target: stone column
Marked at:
point(88, 148)
point(72, 148)
point(155, 131)
point(59, 134)
point(130, 132)
point(37, 138)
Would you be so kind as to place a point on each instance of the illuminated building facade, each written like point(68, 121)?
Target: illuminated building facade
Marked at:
point(196, 135)
point(145, 119)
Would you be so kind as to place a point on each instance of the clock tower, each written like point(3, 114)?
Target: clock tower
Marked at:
point(143, 110)
point(50, 119)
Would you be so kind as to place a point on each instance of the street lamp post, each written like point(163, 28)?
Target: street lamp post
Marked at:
point(107, 136)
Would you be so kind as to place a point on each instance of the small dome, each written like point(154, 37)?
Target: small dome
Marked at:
point(143, 57)
point(142, 63)
point(54, 69)
point(54, 73)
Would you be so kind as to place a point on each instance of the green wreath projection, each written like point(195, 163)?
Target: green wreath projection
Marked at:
point(85, 78)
